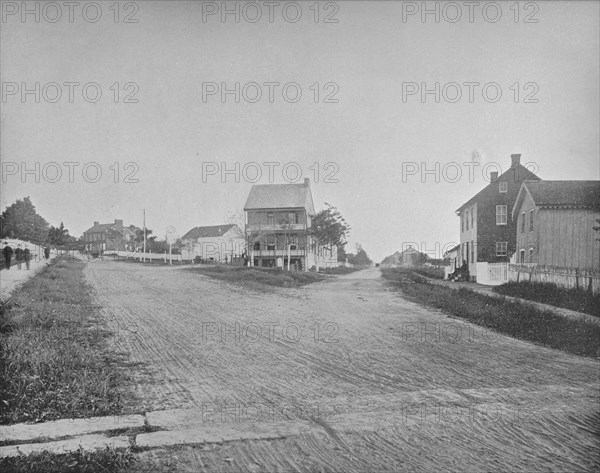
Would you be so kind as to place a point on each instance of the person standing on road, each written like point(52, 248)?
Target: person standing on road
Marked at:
point(19, 256)
point(27, 257)
point(7, 251)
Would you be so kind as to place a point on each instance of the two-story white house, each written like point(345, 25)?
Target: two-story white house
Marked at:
point(278, 219)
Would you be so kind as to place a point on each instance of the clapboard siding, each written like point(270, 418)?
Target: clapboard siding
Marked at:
point(567, 238)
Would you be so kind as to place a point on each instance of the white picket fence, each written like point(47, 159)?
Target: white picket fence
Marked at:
point(563, 277)
point(143, 256)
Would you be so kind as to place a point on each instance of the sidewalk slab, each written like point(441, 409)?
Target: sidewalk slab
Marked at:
point(68, 427)
point(87, 442)
point(217, 433)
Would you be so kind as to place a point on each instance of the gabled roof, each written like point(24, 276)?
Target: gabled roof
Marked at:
point(104, 227)
point(520, 170)
point(280, 196)
point(207, 232)
point(561, 194)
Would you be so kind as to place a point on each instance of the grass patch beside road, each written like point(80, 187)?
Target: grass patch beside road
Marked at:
point(259, 277)
point(579, 300)
point(516, 319)
point(108, 460)
point(54, 361)
point(435, 273)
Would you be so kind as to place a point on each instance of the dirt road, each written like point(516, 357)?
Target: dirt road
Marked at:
point(382, 384)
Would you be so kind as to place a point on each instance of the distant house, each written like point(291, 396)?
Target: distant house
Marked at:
point(278, 218)
point(214, 243)
point(105, 236)
point(554, 224)
point(487, 233)
point(451, 256)
point(407, 258)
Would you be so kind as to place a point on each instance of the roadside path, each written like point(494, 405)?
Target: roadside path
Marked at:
point(487, 290)
point(11, 279)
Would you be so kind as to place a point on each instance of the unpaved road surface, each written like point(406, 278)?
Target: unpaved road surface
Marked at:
point(383, 384)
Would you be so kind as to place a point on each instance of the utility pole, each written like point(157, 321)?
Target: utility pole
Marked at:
point(144, 235)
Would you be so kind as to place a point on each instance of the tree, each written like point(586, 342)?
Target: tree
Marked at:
point(360, 258)
point(115, 237)
point(251, 235)
point(328, 228)
point(59, 236)
point(138, 238)
point(20, 220)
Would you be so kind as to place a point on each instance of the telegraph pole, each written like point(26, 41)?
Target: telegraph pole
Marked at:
point(144, 235)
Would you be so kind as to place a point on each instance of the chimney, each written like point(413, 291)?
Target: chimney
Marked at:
point(306, 182)
point(96, 224)
point(119, 224)
point(515, 160)
point(493, 176)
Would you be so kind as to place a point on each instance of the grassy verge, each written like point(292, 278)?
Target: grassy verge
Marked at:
point(435, 273)
point(258, 277)
point(579, 300)
point(54, 361)
point(516, 319)
point(108, 460)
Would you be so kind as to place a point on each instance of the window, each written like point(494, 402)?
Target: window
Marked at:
point(501, 214)
point(501, 248)
point(503, 187)
point(472, 251)
point(523, 222)
point(467, 252)
point(522, 256)
point(531, 255)
point(462, 222)
point(271, 243)
point(531, 220)
point(292, 217)
point(472, 212)
point(467, 220)
point(270, 218)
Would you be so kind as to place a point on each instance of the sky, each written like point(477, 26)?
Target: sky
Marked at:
point(164, 138)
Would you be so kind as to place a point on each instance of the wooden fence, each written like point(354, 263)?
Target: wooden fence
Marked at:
point(563, 277)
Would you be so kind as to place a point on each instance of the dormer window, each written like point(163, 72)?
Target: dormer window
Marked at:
point(503, 187)
point(270, 218)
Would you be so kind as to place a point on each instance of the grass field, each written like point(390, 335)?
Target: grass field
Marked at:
point(108, 460)
point(54, 361)
point(516, 319)
point(258, 277)
point(579, 300)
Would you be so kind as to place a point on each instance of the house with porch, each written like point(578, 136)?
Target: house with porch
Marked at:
point(555, 223)
point(487, 232)
point(278, 219)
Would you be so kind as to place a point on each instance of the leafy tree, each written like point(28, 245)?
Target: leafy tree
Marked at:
point(138, 239)
point(59, 236)
point(115, 238)
point(328, 228)
point(20, 220)
point(360, 258)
